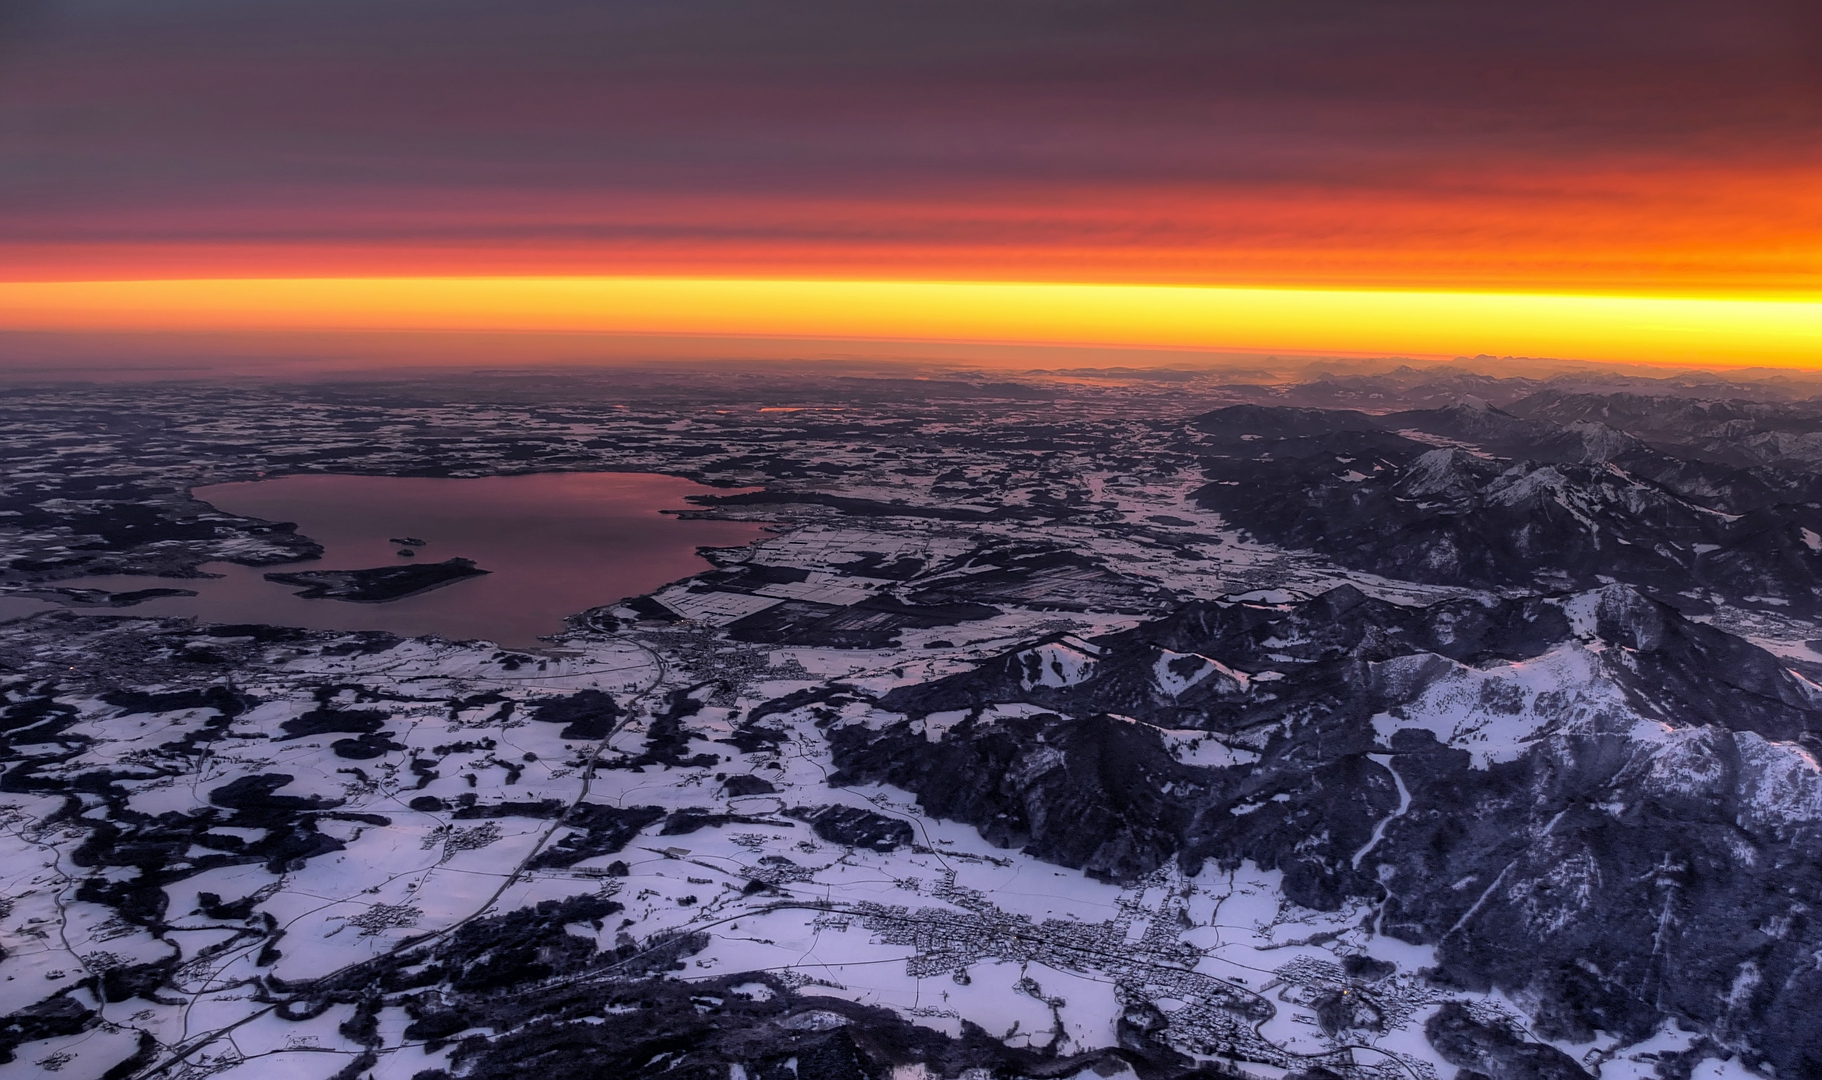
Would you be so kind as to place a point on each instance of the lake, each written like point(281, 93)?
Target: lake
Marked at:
point(554, 543)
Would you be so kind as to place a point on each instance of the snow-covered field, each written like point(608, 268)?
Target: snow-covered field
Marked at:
point(234, 852)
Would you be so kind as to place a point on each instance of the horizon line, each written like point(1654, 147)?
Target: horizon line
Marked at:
point(1685, 330)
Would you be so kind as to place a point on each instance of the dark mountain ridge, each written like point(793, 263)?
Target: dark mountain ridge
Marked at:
point(1587, 505)
point(1588, 801)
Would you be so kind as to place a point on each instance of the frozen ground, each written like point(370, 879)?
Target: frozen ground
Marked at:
point(260, 852)
point(942, 928)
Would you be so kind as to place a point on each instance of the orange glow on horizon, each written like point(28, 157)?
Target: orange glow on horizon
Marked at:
point(1672, 230)
point(1632, 329)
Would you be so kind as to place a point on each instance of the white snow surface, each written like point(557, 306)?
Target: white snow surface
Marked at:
point(945, 929)
point(1496, 711)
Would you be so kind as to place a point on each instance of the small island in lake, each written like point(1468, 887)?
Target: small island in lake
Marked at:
point(101, 597)
point(380, 584)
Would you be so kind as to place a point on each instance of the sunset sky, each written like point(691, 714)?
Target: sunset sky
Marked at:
point(1614, 181)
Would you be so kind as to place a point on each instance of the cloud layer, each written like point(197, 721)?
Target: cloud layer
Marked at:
point(1629, 146)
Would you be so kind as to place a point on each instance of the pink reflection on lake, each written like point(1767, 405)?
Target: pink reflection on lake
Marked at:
point(556, 543)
